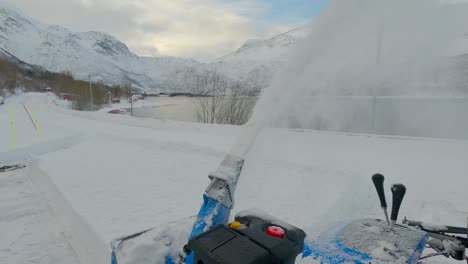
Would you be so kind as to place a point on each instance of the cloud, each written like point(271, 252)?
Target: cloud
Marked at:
point(203, 29)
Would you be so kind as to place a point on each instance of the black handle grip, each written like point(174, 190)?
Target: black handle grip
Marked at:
point(378, 180)
point(398, 191)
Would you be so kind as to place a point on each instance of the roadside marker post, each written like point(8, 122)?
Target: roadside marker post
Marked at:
point(12, 128)
point(36, 122)
point(30, 118)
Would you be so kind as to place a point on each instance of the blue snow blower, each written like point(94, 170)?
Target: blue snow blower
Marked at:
point(254, 237)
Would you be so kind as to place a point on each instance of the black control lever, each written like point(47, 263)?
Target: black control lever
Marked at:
point(378, 180)
point(398, 192)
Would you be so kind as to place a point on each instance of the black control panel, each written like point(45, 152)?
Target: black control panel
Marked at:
point(250, 239)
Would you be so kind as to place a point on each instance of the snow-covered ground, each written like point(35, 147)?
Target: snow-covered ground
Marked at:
point(29, 229)
point(120, 174)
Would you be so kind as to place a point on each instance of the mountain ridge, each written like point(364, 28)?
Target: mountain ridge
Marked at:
point(107, 59)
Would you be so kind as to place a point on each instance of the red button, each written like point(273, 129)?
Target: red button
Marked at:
point(275, 231)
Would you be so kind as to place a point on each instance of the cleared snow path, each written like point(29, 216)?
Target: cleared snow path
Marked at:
point(30, 232)
point(38, 225)
point(27, 153)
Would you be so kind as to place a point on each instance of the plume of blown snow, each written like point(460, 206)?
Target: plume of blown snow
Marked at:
point(360, 48)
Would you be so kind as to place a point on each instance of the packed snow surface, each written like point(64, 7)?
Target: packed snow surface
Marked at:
point(28, 226)
point(120, 175)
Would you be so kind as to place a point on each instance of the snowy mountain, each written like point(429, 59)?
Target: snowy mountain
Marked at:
point(21, 65)
point(60, 50)
point(266, 51)
point(110, 61)
point(257, 60)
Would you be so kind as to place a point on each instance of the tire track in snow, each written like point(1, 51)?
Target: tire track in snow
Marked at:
point(30, 231)
point(87, 245)
point(27, 153)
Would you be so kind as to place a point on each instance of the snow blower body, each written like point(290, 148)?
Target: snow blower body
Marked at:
point(254, 237)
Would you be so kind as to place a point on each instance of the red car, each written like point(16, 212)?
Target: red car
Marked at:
point(117, 111)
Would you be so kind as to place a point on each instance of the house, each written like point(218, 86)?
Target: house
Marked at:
point(69, 96)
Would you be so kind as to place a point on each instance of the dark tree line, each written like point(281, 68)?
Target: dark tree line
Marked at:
point(34, 79)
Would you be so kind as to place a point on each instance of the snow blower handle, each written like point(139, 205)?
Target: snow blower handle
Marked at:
point(398, 192)
point(378, 180)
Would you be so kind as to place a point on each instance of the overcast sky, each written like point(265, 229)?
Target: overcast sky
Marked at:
point(202, 29)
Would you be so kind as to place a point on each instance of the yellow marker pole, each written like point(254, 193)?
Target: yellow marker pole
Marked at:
point(12, 129)
point(37, 124)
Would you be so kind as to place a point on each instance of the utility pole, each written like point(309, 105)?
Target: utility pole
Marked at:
point(91, 93)
point(131, 98)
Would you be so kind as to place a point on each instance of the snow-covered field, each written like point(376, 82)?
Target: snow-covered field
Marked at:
point(99, 176)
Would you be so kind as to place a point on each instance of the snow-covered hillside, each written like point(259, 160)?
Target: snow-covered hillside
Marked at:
point(18, 63)
point(58, 49)
point(257, 60)
point(109, 60)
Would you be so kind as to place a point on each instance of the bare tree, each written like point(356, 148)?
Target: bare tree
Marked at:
point(210, 89)
point(221, 100)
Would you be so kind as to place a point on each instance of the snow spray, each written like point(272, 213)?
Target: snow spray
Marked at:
point(360, 51)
